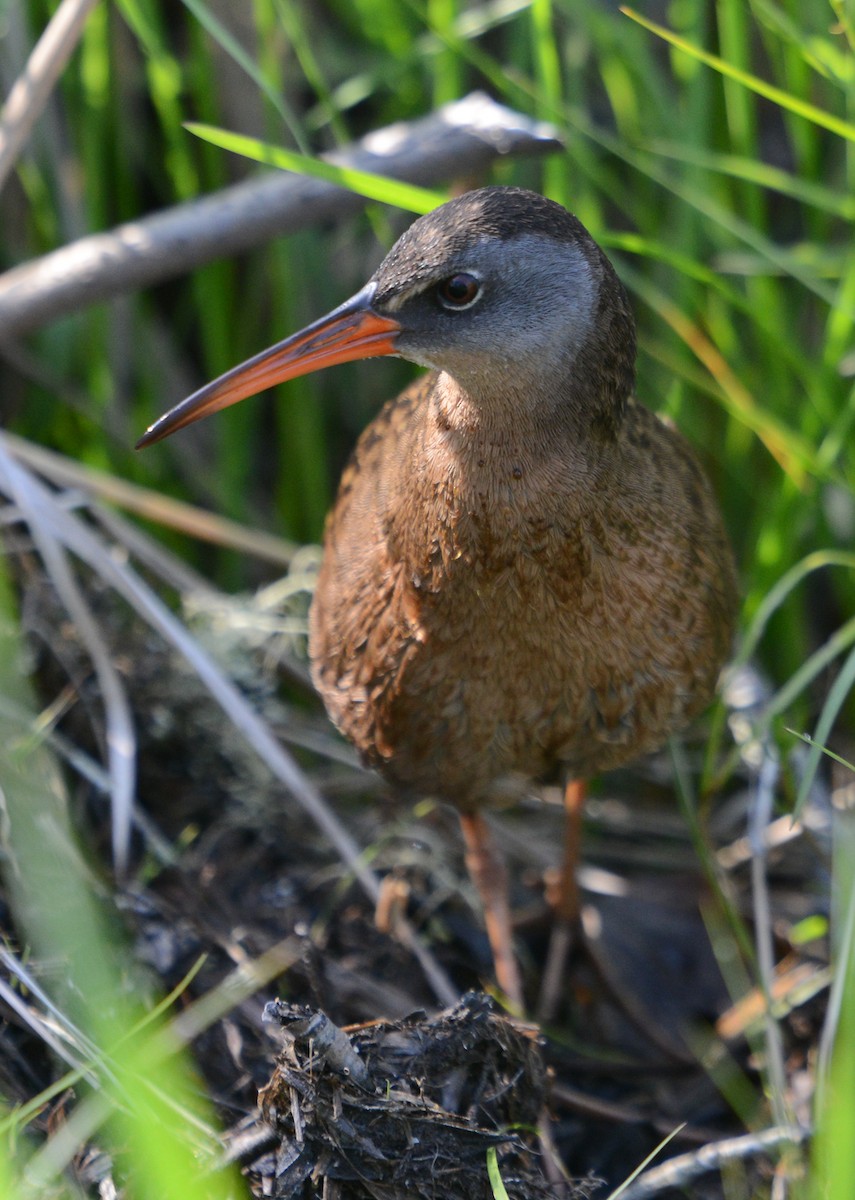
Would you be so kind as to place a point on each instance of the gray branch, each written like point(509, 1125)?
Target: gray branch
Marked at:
point(679, 1172)
point(462, 137)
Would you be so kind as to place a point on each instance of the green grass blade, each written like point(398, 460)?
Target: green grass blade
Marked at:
point(236, 52)
point(785, 100)
point(837, 697)
point(497, 1184)
point(363, 183)
point(787, 446)
point(765, 175)
point(833, 1154)
point(645, 1162)
point(834, 646)
point(295, 20)
point(782, 589)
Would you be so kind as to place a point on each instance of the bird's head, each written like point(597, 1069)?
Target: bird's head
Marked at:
point(501, 289)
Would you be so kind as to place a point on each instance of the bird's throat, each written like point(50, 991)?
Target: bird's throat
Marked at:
point(508, 435)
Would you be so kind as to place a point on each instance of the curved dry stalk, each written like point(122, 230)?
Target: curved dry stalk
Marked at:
point(761, 815)
point(30, 91)
point(680, 1171)
point(36, 505)
point(152, 505)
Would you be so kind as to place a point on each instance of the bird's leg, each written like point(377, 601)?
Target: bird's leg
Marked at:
point(488, 872)
point(568, 906)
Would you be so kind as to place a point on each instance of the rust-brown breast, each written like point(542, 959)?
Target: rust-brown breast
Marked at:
point(485, 612)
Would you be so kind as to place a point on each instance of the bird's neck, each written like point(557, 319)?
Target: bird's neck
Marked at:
point(488, 422)
point(482, 481)
point(481, 477)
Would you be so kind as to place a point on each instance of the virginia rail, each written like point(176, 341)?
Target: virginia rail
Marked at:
point(524, 567)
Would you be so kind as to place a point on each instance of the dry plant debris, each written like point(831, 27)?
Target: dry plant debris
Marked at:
point(404, 1108)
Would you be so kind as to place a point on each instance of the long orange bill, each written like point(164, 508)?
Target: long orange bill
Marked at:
point(353, 330)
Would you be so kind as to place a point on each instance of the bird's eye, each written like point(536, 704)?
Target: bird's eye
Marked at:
point(458, 291)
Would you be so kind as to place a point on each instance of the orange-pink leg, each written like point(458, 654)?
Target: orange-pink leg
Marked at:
point(488, 872)
point(568, 907)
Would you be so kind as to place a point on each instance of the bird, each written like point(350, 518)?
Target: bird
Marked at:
point(525, 569)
